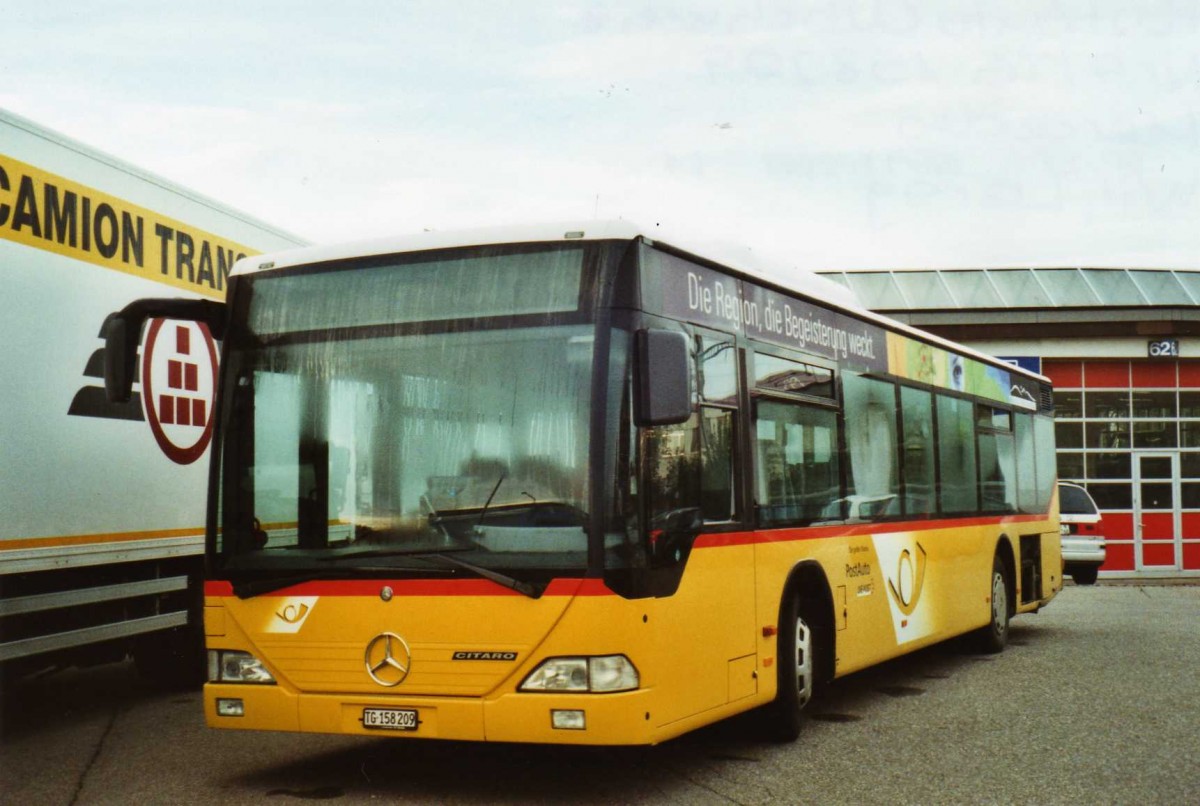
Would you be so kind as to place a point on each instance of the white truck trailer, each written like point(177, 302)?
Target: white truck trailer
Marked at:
point(102, 506)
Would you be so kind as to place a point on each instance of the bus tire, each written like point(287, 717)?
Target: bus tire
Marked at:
point(796, 663)
point(994, 637)
point(1085, 576)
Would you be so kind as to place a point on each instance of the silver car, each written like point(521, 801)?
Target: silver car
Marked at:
point(1083, 544)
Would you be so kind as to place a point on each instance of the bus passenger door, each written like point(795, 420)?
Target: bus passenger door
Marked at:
point(702, 574)
point(705, 652)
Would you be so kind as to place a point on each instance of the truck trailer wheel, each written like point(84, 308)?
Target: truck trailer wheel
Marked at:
point(172, 659)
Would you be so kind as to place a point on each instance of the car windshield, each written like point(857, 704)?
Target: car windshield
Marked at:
point(365, 448)
point(1075, 501)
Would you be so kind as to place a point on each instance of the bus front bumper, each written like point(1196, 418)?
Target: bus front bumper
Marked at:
point(621, 718)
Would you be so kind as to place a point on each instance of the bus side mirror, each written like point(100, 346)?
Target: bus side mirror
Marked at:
point(664, 390)
point(120, 358)
point(123, 333)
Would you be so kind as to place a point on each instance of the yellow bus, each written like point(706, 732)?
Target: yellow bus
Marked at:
point(579, 485)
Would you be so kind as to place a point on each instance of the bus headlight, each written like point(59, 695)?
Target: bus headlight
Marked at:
point(612, 673)
point(230, 666)
point(598, 674)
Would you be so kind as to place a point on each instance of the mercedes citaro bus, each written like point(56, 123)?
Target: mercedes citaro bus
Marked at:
point(576, 484)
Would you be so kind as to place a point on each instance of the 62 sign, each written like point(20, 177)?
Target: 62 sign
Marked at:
point(1163, 348)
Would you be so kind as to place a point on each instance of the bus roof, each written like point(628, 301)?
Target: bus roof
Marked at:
point(739, 260)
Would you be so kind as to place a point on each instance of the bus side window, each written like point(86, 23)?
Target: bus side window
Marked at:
point(870, 414)
point(997, 460)
point(920, 490)
point(717, 374)
point(690, 471)
point(796, 462)
point(690, 467)
point(1027, 483)
point(959, 479)
point(1047, 471)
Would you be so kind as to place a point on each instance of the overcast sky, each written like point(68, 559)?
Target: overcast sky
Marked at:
point(825, 135)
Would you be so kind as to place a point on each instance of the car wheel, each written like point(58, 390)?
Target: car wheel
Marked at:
point(1085, 576)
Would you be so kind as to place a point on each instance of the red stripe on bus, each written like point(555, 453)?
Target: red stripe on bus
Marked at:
point(416, 587)
point(716, 540)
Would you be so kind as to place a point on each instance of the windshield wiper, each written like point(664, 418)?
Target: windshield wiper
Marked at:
point(488, 502)
point(512, 583)
point(381, 552)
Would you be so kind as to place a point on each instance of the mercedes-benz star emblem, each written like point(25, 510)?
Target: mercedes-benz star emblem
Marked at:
point(388, 659)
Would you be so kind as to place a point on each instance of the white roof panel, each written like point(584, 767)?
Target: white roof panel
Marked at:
point(741, 259)
point(804, 282)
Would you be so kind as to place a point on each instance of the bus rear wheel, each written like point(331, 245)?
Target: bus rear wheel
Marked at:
point(994, 637)
point(797, 670)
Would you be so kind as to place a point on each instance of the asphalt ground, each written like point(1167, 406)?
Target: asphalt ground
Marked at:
point(1096, 700)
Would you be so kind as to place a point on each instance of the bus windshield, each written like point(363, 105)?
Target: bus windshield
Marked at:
point(362, 438)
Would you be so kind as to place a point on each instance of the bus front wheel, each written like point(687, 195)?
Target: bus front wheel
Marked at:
point(797, 669)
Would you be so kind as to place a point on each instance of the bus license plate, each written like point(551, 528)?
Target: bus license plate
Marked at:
point(390, 718)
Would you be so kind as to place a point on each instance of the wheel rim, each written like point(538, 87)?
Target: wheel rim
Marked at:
point(804, 664)
point(999, 604)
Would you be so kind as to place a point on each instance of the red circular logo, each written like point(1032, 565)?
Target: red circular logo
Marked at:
point(179, 386)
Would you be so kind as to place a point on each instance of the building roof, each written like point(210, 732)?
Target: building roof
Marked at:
point(1027, 288)
point(967, 304)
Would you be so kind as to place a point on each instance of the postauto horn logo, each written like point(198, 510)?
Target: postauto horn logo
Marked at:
point(905, 587)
